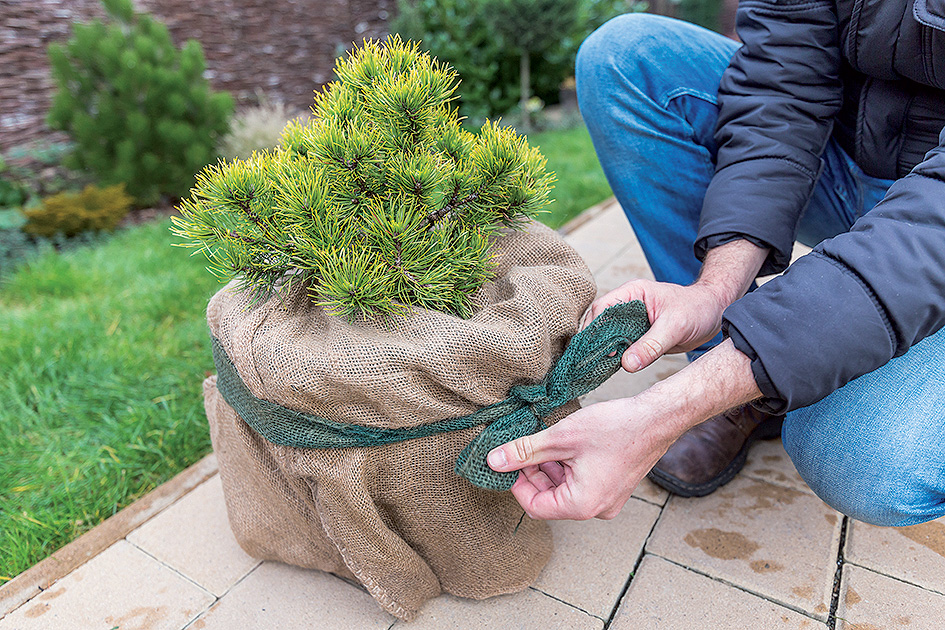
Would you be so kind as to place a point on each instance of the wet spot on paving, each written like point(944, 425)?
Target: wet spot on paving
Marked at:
point(764, 566)
point(930, 535)
point(768, 495)
point(904, 620)
point(141, 617)
point(804, 592)
point(777, 475)
point(853, 597)
point(831, 518)
point(771, 458)
point(721, 544)
point(37, 610)
point(52, 593)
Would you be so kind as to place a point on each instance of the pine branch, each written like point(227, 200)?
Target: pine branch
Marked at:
point(380, 204)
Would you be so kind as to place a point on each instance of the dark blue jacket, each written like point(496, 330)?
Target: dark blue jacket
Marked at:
point(872, 73)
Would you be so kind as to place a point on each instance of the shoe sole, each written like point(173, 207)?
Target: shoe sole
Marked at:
point(767, 430)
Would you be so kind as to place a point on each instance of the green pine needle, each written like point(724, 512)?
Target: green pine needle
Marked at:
point(380, 204)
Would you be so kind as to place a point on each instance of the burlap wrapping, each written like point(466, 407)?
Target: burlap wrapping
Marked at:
point(394, 517)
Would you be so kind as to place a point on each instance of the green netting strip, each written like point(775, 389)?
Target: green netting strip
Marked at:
point(584, 365)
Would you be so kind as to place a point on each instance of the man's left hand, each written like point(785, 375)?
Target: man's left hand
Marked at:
point(585, 466)
point(588, 464)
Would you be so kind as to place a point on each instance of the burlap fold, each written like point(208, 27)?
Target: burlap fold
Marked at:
point(394, 517)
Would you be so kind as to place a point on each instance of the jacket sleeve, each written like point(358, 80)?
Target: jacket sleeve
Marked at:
point(858, 300)
point(777, 101)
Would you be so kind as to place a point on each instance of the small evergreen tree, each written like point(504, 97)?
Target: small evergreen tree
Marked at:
point(139, 110)
point(530, 28)
point(381, 202)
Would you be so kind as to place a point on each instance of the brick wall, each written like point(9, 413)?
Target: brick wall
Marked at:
point(285, 48)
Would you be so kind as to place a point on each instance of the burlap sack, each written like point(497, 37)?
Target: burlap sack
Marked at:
point(395, 517)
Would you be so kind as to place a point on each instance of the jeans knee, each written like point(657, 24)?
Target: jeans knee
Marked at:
point(867, 479)
point(615, 37)
point(616, 48)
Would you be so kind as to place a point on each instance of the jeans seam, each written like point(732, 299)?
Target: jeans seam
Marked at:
point(702, 96)
point(685, 91)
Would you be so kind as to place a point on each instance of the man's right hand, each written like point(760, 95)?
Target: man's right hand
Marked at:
point(683, 318)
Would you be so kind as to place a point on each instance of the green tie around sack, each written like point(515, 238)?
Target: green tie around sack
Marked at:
point(590, 359)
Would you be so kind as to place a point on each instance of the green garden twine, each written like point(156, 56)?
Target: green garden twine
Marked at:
point(590, 359)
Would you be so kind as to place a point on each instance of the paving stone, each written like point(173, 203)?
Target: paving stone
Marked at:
point(528, 610)
point(193, 536)
point(768, 461)
point(277, 595)
point(870, 601)
point(663, 595)
point(772, 540)
point(915, 554)
point(602, 238)
point(624, 384)
point(122, 587)
point(592, 559)
point(649, 491)
point(628, 264)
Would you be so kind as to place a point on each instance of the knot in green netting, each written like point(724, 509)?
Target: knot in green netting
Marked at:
point(590, 359)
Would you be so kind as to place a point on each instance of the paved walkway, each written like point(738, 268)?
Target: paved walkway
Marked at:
point(763, 552)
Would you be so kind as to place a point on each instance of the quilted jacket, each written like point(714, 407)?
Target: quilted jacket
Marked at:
point(872, 74)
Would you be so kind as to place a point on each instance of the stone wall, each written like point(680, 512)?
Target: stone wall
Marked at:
point(283, 48)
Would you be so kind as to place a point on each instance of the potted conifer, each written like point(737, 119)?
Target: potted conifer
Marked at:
point(386, 279)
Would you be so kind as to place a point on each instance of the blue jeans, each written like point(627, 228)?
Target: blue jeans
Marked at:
point(647, 86)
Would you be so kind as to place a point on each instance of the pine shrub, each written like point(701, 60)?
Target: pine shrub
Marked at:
point(381, 202)
point(69, 214)
point(139, 110)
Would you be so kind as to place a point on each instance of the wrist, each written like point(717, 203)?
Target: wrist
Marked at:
point(728, 270)
point(718, 381)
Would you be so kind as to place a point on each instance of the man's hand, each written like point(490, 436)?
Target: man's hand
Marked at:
point(683, 318)
point(588, 464)
point(585, 466)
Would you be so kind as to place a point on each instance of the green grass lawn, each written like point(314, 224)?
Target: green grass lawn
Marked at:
point(581, 182)
point(103, 350)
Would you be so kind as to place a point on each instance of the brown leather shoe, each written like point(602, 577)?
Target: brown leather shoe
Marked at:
point(710, 454)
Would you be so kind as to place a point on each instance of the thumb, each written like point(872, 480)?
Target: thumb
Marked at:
point(647, 348)
point(529, 450)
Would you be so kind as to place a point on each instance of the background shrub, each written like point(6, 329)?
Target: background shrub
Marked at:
point(460, 33)
point(702, 12)
point(255, 129)
point(12, 193)
point(92, 210)
point(139, 110)
point(524, 27)
point(14, 244)
point(36, 170)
